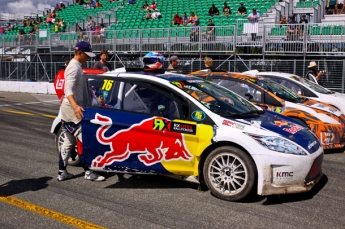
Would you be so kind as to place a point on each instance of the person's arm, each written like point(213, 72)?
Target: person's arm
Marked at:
point(70, 81)
point(319, 74)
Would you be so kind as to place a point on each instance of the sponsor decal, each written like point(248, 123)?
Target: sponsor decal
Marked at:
point(284, 174)
point(324, 108)
point(252, 80)
point(311, 145)
point(233, 124)
point(327, 138)
point(183, 128)
point(198, 115)
point(152, 149)
point(195, 81)
point(281, 123)
point(293, 129)
point(60, 83)
point(278, 109)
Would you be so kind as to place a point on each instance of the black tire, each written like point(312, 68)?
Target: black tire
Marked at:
point(59, 138)
point(219, 171)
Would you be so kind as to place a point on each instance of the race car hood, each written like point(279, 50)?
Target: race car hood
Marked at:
point(311, 111)
point(316, 105)
point(283, 126)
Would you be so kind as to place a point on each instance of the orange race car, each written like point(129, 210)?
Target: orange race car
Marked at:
point(323, 119)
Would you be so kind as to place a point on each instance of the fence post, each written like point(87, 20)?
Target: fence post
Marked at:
point(342, 78)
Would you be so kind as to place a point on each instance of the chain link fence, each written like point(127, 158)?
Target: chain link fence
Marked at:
point(45, 71)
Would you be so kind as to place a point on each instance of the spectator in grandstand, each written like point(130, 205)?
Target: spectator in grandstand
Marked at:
point(153, 6)
point(9, 27)
point(283, 21)
point(2, 30)
point(194, 32)
point(49, 19)
point(192, 18)
point(21, 37)
point(131, 2)
point(242, 9)
point(81, 34)
point(62, 6)
point(177, 19)
point(101, 35)
point(93, 4)
point(213, 10)
point(53, 14)
point(56, 27)
point(31, 36)
point(102, 64)
point(210, 31)
point(98, 4)
point(330, 6)
point(62, 25)
point(89, 32)
point(24, 23)
point(96, 32)
point(90, 22)
point(29, 23)
point(145, 6)
point(303, 21)
point(254, 19)
point(174, 61)
point(156, 14)
point(292, 30)
point(148, 15)
point(312, 74)
point(226, 10)
point(185, 19)
point(57, 7)
point(80, 2)
point(340, 6)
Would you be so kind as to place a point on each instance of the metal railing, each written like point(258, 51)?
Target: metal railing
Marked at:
point(270, 39)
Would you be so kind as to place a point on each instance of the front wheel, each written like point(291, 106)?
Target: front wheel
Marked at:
point(59, 139)
point(229, 173)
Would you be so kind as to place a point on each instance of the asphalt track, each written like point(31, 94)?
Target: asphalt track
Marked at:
point(31, 197)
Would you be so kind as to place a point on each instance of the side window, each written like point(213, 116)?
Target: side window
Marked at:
point(242, 89)
point(296, 88)
point(103, 92)
point(138, 98)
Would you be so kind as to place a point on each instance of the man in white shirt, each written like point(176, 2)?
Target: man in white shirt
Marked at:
point(72, 112)
point(156, 14)
point(254, 18)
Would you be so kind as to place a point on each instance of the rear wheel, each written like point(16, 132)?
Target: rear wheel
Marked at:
point(229, 173)
point(59, 139)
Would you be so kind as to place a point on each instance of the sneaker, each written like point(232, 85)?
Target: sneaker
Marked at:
point(64, 175)
point(91, 175)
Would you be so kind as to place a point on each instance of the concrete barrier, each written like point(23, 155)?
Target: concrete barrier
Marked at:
point(27, 87)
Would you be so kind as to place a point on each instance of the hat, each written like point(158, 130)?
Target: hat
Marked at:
point(174, 58)
point(312, 64)
point(84, 47)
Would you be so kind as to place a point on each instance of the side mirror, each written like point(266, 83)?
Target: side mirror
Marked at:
point(248, 95)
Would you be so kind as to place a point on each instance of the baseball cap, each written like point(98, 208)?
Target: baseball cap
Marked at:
point(174, 58)
point(84, 47)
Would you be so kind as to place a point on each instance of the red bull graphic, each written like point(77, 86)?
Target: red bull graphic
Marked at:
point(293, 129)
point(281, 123)
point(151, 151)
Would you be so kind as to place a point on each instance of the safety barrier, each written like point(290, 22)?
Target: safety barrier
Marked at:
point(268, 39)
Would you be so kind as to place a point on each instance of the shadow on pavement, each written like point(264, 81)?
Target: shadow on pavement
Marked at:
point(287, 198)
point(19, 186)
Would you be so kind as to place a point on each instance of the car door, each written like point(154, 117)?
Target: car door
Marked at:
point(140, 128)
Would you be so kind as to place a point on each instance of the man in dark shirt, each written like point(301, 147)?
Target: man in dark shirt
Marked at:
point(242, 10)
point(291, 32)
point(102, 64)
point(213, 10)
point(226, 10)
point(303, 20)
point(210, 31)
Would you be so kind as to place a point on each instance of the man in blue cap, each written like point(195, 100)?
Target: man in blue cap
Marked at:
point(72, 112)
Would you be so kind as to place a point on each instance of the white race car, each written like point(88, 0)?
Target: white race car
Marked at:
point(304, 87)
point(193, 129)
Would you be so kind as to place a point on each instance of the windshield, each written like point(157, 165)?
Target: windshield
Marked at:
point(279, 90)
point(217, 98)
point(312, 85)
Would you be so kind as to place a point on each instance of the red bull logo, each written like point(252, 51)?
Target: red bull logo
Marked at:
point(281, 123)
point(152, 148)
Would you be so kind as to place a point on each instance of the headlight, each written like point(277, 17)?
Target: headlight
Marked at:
point(278, 144)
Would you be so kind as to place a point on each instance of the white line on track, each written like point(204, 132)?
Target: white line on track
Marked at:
point(19, 104)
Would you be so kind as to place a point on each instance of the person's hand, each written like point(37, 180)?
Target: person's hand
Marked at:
point(78, 111)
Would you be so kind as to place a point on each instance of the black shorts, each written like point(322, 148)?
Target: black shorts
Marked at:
point(340, 6)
